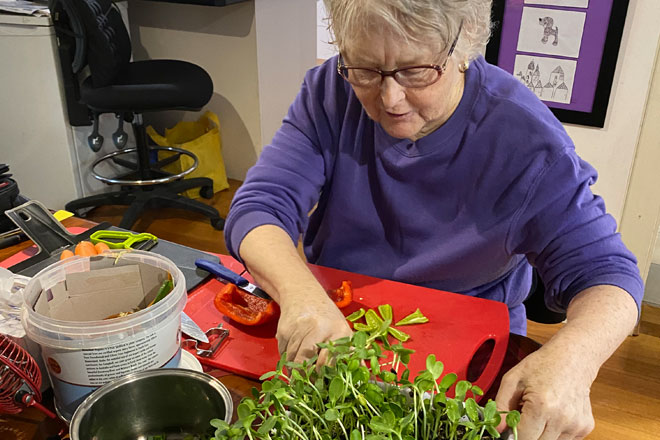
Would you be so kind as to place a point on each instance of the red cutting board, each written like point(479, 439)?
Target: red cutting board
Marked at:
point(458, 325)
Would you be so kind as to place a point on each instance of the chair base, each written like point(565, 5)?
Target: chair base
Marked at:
point(138, 199)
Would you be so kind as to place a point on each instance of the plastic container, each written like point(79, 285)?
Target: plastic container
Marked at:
point(82, 356)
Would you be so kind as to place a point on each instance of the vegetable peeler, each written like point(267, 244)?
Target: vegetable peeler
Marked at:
point(124, 239)
point(215, 335)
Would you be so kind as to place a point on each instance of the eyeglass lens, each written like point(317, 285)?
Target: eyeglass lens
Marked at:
point(413, 77)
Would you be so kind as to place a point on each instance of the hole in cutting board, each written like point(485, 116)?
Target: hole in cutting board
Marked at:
point(24, 216)
point(479, 360)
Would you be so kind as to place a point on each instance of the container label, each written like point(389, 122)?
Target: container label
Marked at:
point(68, 397)
point(106, 364)
point(151, 348)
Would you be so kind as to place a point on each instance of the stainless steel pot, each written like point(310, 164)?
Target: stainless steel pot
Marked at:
point(171, 402)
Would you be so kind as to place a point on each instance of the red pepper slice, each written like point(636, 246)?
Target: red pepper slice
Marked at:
point(244, 307)
point(343, 296)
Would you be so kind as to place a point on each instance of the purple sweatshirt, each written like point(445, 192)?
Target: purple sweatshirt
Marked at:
point(465, 209)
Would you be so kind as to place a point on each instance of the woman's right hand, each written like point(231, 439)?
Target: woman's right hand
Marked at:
point(307, 314)
point(306, 319)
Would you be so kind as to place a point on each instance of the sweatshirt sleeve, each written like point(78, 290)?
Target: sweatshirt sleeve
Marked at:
point(285, 183)
point(565, 232)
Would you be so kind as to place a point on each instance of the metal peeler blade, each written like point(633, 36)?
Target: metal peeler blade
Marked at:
point(216, 336)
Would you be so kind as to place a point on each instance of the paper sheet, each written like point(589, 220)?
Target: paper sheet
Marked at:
point(565, 3)
point(551, 32)
point(36, 8)
point(551, 79)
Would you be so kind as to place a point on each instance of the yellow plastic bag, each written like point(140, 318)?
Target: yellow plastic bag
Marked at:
point(202, 138)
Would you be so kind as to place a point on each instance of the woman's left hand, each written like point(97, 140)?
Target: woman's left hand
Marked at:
point(550, 387)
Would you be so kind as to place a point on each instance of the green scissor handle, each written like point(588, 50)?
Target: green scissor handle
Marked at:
point(120, 239)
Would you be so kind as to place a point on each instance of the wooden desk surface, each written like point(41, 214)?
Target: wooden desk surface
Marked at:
point(33, 425)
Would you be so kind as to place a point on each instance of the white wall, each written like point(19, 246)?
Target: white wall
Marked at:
point(611, 150)
point(641, 213)
point(255, 52)
point(285, 50)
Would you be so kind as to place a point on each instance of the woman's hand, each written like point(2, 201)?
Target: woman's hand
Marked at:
point(551, 386)
point(551, 389)
point(307, 315)
point(307, 319)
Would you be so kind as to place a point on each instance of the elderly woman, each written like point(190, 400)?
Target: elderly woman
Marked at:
point(422, 163)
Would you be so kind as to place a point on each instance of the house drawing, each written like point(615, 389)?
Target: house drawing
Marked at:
point(555, 87)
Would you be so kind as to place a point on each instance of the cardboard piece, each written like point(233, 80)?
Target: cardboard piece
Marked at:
point(152, 277)
point(110, 286)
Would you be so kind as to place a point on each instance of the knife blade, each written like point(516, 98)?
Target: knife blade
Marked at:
point(189, 327)
point(226, 274)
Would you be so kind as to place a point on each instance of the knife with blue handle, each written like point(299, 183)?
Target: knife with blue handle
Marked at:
point(222, 272)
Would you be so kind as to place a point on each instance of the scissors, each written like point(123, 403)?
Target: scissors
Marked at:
point(124, 239)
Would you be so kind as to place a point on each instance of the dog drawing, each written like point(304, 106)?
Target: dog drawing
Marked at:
point(548, 30)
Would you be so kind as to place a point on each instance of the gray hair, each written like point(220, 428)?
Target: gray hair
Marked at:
point(420, 21)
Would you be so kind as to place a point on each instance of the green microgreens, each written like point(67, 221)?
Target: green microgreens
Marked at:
point(354, 399)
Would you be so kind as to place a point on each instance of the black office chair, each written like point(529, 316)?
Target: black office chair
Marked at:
point(95, 52)
point(535, 306)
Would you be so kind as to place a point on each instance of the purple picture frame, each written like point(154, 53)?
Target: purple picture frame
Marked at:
point(596, 60)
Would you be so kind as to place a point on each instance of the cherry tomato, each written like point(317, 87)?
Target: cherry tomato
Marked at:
point(66, 254)
point(85, 249)
point(101, 247)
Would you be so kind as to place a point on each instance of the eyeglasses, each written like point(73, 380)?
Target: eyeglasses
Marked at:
point(410, 76)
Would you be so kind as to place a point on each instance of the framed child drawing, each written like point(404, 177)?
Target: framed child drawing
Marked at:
point(565, 51)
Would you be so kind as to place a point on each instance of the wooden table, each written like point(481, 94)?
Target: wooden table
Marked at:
point(33, 425)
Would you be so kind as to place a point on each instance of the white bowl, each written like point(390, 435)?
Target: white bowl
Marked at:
point(190, 362)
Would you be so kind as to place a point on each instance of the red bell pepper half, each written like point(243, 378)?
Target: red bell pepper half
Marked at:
point(244, 307)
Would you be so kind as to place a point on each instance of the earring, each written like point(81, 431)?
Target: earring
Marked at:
point(462, 67)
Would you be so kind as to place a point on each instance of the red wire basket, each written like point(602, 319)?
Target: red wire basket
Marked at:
point(20, 379)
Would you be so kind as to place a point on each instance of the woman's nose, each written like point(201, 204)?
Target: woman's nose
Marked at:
point(391, 92)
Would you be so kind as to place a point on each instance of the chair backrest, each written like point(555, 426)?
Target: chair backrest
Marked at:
point(106, 45)
point(71, 49)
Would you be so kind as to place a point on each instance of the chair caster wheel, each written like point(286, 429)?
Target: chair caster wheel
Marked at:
point(218, 223)
point(206, 192)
